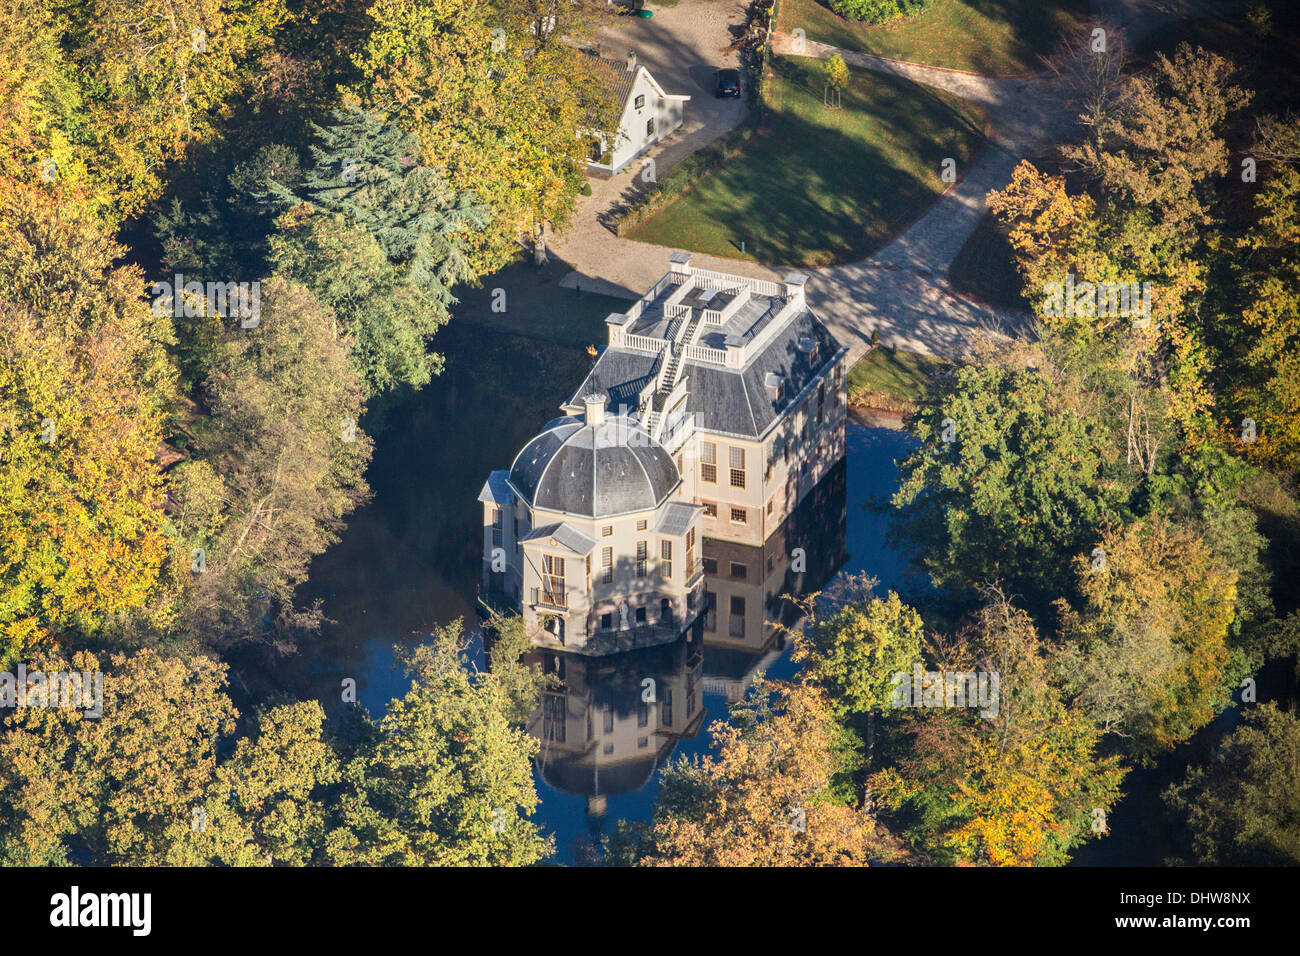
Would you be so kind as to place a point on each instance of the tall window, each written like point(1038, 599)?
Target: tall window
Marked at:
point(666, 708)
point(498, 527)
point(553, 580)
point(666, 558)
point(708, 462)
point(821, 400)
point(642, 552)
point(710, 611)
point(690, 552)
point(607, 562)
point(609, 719)
point(737, 628)
point(554, 724)
point(737, 467)
point(650, 126)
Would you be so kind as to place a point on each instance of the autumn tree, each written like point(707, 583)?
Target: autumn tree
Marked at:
point(146, 783)
point(1017, 783)
point(836, 76)
point(1146, 654)
point(85, 387)
point(763, 797)
point(273, 468)
point(499, 119)
point(125, 88)
point(1259, 338)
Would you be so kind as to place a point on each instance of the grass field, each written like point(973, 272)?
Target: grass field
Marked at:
point(886, 379)
point(818, 186)
point(1002, 37)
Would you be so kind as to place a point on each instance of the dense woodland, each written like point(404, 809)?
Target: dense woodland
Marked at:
point(1106, 507)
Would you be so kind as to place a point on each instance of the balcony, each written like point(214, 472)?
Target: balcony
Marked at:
point(557, 601)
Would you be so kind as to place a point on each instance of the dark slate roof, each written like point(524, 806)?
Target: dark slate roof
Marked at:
point(737, 402)
point(566, 534)
point(496, 489)
point(573, 774)
point(677, 518)
point(594, 471)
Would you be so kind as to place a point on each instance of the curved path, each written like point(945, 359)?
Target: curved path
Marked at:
point(901, 292)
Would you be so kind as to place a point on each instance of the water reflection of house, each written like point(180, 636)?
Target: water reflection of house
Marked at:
point(716, 408)
point(746, 586)
point(615, 719)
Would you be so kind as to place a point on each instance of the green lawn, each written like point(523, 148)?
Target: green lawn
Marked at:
point(816, 186)
point(888, 379)
point(1001, 37)
point(536, 306)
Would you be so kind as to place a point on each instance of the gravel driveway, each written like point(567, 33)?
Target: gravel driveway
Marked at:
point(681, 46)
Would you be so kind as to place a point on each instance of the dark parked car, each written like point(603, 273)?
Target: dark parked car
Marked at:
point(726, 83)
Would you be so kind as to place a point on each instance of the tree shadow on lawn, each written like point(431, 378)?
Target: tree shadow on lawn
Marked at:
point(808, 194)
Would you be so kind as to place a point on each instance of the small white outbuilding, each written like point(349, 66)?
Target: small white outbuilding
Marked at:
point(648, 115)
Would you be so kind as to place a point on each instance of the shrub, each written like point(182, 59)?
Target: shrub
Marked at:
point(877, 11)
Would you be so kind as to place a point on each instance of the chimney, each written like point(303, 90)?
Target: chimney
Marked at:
point(734, 345)
point(631, 61)
point(593, 409)
point(793, 286)
point(679, 263)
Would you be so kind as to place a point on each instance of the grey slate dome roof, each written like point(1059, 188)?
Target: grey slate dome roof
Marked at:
point(594, 471)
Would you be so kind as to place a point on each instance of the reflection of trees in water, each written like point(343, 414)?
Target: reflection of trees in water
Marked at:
point(409, 560)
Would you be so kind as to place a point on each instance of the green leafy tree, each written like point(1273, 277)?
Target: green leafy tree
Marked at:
point(853, 655)
point(370, 171)
point(145, 783)
point(1007, 482)
point(443, 778)
point(388, 321)
point(1242, 808)
point(274, 467)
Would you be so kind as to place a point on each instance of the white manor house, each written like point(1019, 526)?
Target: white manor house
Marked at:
point(717, 405)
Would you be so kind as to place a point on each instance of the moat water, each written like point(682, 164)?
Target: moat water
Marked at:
point(409, 561)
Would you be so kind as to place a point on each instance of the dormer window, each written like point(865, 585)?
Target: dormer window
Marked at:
point(775, 385)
